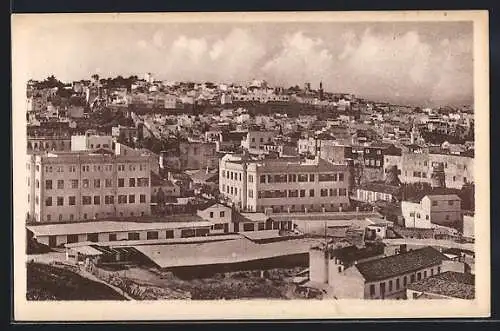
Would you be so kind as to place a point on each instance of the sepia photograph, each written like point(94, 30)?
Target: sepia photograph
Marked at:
point(251, 165)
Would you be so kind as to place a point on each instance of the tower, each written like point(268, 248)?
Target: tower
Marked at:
point(321, 90)
point(438, 179)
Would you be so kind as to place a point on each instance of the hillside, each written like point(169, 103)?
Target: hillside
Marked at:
point(51, 283)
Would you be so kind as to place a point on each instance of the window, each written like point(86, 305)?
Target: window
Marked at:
point(405, 281)
point(302, 193)
point(48, 217)
point(235, 191)
point(133, 236)
point(131, 182)
point(231, 175)
point(86, 200)
point(293, 193)
point(302, 178)
point(434, 203)
point(107, 182)
point(419, 276)
point(74, 183)
point(122, 199)
point(342, 192)
point(382, 288)
point(248, 227)
point(425, 274)
point(311, 192)
point(250, 178)
point(418, 215)
point(311, 178)
point(48, 184)
point(72, 200)
point(48, 201)
point(250, 193)
point(72, 238)
point(60, 184)
point(454, 178)
point(151, 235)
point(60, 201)
point(390, 286)
point(72, 169)
point(397, 284)
point(372, 290)
point(412, 278)
point(447, 217)
point(143, 182)
point(450, 202)
point(341, 177)
point(109, 199)
point(240, 176)
point(93, 237)
point(262, 178)
point(97, 183)
point(324, 192)
point(97, 200)
point(142, 198)
point(211, 214)
point(221, 214)
point(85, 183)
point(112, 237)
point(169, 234)
point(439, 270)
point(131, 198)
point(121, 182)
point(232, 190)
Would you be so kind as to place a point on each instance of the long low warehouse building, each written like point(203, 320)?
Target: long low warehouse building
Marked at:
point(222, 252)
point(54, 235)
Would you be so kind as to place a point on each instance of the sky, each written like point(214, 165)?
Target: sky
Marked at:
point(425, 63)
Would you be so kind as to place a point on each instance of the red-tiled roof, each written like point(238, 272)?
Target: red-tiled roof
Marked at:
point(399, 264)
point(450, 283)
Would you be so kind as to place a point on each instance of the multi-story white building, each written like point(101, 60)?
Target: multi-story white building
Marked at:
point(432, 209)
point(257, 139)
point(417, 166)
point(91, 141)
point(283, 185)
point(73, 186)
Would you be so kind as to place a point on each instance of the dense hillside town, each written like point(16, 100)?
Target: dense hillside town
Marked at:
point(134, 170)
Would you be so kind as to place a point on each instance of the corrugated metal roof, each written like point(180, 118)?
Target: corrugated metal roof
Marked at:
point(109, 226)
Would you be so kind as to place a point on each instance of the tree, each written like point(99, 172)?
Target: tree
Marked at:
point(160, 197)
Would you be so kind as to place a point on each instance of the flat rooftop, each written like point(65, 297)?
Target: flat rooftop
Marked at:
point(222, 252)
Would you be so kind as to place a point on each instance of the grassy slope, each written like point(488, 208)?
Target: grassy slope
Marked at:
point(50, 283)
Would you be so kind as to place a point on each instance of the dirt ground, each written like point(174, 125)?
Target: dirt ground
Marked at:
point(274, 283)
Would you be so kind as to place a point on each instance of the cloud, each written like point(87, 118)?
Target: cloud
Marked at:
point(158, 39)
point(233, 57)
point(301, 59)
point(142, 44)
